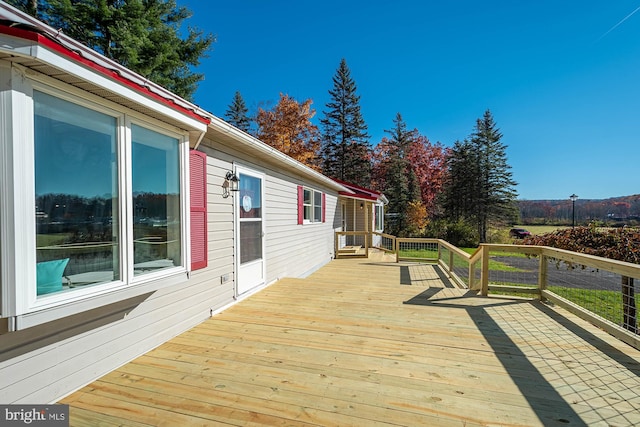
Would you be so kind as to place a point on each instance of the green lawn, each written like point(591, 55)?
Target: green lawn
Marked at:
point(432, 253)
point(606, 304)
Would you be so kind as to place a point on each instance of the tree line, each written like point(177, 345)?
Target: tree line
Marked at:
point(617, 210)
point(455, 193)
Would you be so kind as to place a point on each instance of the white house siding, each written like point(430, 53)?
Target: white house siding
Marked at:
point(71, 352)
point(44, 362)
point(291, 250)
point(295, 250)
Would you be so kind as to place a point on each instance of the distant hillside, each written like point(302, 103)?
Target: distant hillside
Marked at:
point(614, 211)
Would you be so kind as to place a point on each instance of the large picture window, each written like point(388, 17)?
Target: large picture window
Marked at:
point(77, 200)
point(79, 212)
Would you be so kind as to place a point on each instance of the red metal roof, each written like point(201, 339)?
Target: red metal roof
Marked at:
point(359, 192)
point(32, 30)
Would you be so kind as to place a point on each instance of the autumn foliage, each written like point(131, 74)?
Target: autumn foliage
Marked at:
point(427, 162)
point(288, 128)
point(622, 244)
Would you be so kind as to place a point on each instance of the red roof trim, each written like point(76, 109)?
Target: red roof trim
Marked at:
point(74, 56)
point(357, 196)
point(358, 192)
point(357, 187)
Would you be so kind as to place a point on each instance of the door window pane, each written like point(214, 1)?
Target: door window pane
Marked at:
point(156, 200)
point(76, 187)
point(250, 197)
point(250, 218)
point(250, 241)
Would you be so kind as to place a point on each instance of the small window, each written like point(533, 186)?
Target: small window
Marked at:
point(311, 204)
point(379, 217)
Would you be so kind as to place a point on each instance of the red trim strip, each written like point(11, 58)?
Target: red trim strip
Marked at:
point(74, 56)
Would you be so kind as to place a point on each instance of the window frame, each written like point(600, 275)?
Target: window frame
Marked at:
point(313, 206)
point(378, 217)
point(19, 296)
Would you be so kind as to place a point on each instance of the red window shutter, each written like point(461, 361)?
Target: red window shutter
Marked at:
point(300, 204)
point(324, 207)
point(198, 202)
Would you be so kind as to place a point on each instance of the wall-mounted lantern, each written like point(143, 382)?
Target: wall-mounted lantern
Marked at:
point(231, 183)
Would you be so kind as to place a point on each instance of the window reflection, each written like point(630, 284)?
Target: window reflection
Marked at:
point(250, 218)
point(156, 200)
point(76, 195)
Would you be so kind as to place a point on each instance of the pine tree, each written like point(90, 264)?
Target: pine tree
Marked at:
point(141, 35)
point(395, 176)
point(480, 188)
point(346, 150)
point(496, 189)
point(459, 194)
point(237, 114)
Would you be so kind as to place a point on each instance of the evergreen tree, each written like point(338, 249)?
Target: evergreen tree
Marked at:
point(395, 176)
point(346, 150)
point(237, 114)
point(459, 193)
point(141, 35)
point(496, 189)
point(480, 188)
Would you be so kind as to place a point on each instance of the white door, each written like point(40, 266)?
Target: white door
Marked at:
point(250, 231)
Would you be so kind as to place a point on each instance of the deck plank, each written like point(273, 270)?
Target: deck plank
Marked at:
point(372, 342)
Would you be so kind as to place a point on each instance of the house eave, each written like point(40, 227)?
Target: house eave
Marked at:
point(35, 46)
point(221, 131)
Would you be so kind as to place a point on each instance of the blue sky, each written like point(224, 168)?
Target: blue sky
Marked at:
point(562, 78)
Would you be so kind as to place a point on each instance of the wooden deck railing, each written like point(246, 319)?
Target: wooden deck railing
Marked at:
point(600, 290)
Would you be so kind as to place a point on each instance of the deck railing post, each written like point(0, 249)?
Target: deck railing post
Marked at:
point(472, 275)
point(450, 262)
point(542, 275)
point(367, 238)
point(485, 271)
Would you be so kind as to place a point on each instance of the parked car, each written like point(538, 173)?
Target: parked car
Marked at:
point(519, 233)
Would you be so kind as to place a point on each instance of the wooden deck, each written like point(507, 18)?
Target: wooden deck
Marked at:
point(365, 343)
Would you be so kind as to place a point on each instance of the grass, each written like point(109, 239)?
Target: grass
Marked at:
point(431, 253)
point(606, 304)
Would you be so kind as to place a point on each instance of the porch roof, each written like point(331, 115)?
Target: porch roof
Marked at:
point(361, 193)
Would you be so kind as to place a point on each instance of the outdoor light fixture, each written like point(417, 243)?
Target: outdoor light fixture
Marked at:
point(361, 205)
point(573, 199)
point(230, 183)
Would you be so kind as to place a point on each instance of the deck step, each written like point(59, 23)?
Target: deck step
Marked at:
point(349, 249)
